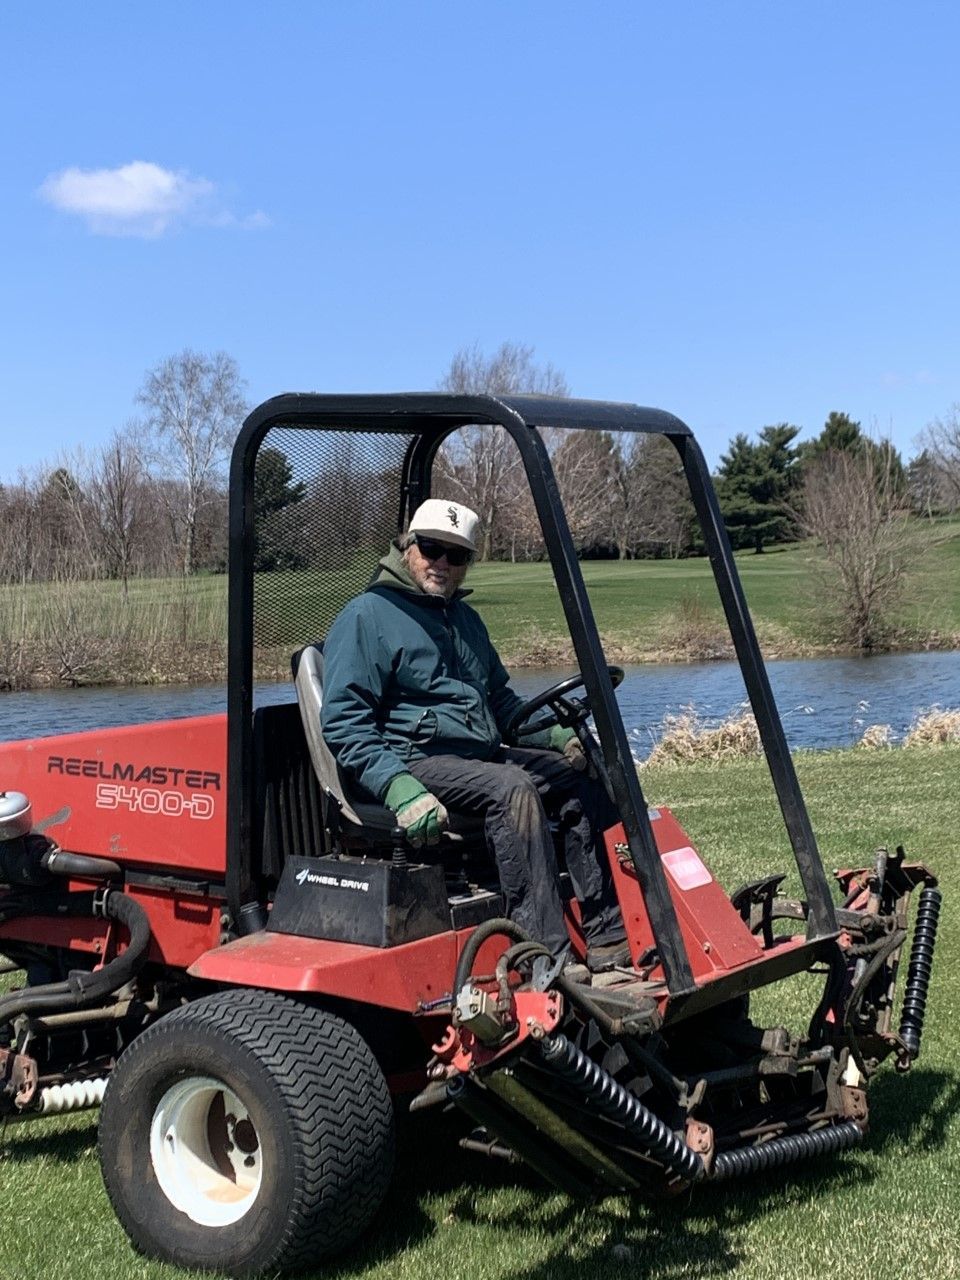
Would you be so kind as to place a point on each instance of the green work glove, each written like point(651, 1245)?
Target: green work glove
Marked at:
point(420, 813)
point(569, 745)
point(557, 738)
point(553, 739)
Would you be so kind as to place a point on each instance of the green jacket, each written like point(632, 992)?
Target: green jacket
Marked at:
point(408, 675)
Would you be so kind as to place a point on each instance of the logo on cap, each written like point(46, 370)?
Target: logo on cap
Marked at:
point(454, 517)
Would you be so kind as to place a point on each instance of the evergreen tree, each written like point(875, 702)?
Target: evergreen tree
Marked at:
point(840, 432)
point(842, 435)
point(754, 484)
point(274, 492)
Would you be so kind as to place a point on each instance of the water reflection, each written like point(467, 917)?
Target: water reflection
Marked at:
point(824, 702)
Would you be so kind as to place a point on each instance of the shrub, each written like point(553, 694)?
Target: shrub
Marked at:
point(686, 738)
point(877, 736)
point(933, 727)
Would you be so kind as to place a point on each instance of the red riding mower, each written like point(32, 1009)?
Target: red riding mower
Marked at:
point(247, 965)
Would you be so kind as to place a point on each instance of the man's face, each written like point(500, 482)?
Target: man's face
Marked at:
point(435, 576)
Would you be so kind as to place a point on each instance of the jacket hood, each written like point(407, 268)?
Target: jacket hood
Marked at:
point(392, 572)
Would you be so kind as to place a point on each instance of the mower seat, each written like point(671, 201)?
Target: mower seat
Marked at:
point(372, 821)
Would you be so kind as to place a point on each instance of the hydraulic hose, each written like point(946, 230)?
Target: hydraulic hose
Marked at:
point(779, 1151)
point(82, 988)
point(832, 991)
point(892, 943)
point(32, 861)
point(80, 864)
point(489, 929)
point(920, 969)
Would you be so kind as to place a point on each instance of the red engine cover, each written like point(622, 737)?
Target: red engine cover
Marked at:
point(146, 794)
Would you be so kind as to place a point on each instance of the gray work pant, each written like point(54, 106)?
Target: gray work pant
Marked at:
point(516, 793)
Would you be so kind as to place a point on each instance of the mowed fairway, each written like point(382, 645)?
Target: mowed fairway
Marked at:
point(888, 1210)
point(649, 607)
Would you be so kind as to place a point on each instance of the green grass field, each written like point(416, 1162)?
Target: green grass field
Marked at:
point(168, 631)
point(888, 1210)
point(652, 608)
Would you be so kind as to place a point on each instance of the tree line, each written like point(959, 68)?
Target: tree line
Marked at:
point(152, 501)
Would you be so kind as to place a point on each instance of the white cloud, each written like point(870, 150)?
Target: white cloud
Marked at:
point(139, 199)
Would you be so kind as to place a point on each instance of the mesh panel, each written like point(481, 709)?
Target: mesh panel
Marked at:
point(326, 505)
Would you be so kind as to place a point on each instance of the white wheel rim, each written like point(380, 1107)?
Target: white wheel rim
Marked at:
point(206, 1152)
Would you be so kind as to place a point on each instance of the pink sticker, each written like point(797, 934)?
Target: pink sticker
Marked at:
point(685, 867)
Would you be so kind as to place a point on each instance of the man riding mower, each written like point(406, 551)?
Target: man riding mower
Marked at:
point(229, 937)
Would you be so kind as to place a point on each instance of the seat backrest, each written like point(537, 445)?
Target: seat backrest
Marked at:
point(373, 819)
point(308, 679)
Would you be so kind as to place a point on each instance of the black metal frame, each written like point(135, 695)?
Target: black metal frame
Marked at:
point(429, 418)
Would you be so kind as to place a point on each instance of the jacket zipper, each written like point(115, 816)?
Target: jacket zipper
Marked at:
point(457, 673)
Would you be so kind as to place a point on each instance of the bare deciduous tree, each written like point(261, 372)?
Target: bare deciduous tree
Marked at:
point(928, 487)
point(653, 499)
point(853, 507)
point(587, 466)
point(942, 442)
point(194, 406)
point(24, 550)
point(117, 485)
point(511, 370)
point(480, 465)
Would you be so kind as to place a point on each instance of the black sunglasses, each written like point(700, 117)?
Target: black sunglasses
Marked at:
point(433, 550)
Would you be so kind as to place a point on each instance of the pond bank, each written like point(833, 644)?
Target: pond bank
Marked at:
point(206, 663)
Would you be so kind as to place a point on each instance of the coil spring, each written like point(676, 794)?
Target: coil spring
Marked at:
point(778, 1151)
point(615, 1102)
point(75, 1096)
point(920, 969)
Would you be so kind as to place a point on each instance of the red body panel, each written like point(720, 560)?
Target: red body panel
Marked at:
point(411, 978)
point(418, 975)
point(715, 936)
point(152, 794)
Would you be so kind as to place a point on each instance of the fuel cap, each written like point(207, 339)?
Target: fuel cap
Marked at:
point(16, 815)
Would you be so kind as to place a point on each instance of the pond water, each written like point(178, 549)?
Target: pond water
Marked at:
point(824, 702)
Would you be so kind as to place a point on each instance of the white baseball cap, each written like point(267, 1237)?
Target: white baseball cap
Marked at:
point(447, 521)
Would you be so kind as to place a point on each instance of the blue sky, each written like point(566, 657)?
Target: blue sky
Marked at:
point(744, 213)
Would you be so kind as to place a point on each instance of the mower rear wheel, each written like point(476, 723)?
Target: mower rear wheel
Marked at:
point(246, 1132)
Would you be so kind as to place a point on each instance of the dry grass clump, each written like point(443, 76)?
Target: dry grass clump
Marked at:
point(539, 650)
point(685, 738)
point(876, 737)
point(694, 633)
point(934, 727)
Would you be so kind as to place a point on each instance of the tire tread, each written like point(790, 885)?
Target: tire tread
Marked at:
point(335, 1096)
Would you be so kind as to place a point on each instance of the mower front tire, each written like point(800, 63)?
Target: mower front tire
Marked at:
point(246, 1132)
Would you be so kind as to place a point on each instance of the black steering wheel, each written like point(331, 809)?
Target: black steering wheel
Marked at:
point(572, 713)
